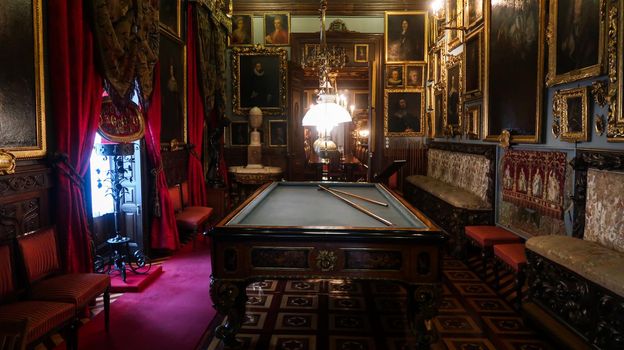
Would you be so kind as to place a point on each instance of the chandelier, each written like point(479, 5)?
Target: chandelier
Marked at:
point(330, 109)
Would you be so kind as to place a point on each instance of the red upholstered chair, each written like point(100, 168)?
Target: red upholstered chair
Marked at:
point(24, 322)
point(46, 282)
point(189, 218)
point(485, 237)
point(513, 257)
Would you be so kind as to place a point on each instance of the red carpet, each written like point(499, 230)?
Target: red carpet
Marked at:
point(134, 282)
point(172, 313)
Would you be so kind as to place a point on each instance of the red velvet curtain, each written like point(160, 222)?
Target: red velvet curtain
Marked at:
point(197, 184)
point(164, 233)
point(76, 93)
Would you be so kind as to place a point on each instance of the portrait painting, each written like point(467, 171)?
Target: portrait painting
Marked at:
point(22, 103)
point(172, 55)
point(360, 100)
point(474, 13)
point(259, 75)
point(170, 16)
point(239, 133)
point(453, 93)
point(472, 121)
point(473, 64)
point(394, 76)
point(574, 116)
point(576, 51)
point(438, 113)
point(454, 10)
point(277, 29)
point(278, 131)
point(242, 30)
point(404, 112)
point(405, 36)
point(309, 50)
point(414, 76)
point(516, 40)
point(360, 53)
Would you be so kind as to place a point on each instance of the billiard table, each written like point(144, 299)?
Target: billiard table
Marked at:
point(296, 230)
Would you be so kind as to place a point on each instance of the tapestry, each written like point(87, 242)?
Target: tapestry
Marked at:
point(535, 180)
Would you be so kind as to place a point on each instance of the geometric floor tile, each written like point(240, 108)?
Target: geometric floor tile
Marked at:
point(298, 342)
point(468, 344)
point(259, 301)
point(489, 305)
point(299, 301)
point(346, 302)
point(506, 325)
point(303, 286)
point(451, 305)
point(351, 343)
point(342, 286)
point(474, 289)
point(254, 320)
point(296, 321)
point(453, 264)
point(456, 324)
point(462, 275)
point(351, 322)
point(512, 344)
point(262, 286)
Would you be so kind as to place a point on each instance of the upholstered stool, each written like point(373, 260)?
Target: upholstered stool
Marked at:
point(513, 257)
point(484, 237)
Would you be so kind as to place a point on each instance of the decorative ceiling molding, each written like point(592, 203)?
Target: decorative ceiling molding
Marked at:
point(334, 8)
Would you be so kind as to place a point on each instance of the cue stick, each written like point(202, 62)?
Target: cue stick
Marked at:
point(360, 197)
point(356, 206)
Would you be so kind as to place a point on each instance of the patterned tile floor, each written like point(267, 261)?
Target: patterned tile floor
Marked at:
point(344, 315)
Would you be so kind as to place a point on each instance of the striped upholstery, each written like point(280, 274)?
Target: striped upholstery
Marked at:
point(6, 272)
point(78, 288)
point(42, 316)
point(40, 254)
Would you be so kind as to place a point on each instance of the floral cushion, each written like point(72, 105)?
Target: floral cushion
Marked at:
point(462, 170)
point(591, 260)
point(604, 221)
point(457, 197)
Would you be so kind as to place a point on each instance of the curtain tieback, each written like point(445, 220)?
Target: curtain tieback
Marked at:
point(156, 202)
point(67, 169)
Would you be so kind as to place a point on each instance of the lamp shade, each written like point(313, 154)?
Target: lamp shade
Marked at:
point(326, 114)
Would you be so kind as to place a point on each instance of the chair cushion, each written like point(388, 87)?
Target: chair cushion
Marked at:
point(40, 254)
point(7, 285)
point(42, 316)
point(453, 195)
point(176, 198)
point(591, 260)
point(486, 236)
point(76, 288)
point(191, 218)
point(512, 254)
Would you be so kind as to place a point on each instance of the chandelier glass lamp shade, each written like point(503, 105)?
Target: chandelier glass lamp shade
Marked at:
point(329, 110)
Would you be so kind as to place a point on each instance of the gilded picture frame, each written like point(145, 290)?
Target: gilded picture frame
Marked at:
point(439, 105)
point(276, 34)
point(615, 47)
point(576, 44)
point(473, 55)
point(404, 118)
point(472, 121)
point(278, 133)
point(23, 123)
point(454, 99)
point(174, 89)
point(405, 37)
point(514, 103)
point(473, 15)
point(265, 87)
point(242, 30)
point(572, 108)
point(170, 17)
point(395, 76)
point(360, 53)
point(414, 76)
point(454, 21)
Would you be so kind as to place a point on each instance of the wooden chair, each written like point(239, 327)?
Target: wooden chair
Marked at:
point(189, 218)
point(46, 282)
point(22, 323)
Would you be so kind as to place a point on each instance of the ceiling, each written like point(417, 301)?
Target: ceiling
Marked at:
point(334, 7)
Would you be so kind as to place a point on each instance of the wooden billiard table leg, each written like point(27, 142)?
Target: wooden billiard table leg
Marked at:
point(423, 301)
point(229, 298)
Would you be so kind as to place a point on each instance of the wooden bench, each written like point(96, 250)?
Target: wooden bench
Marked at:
point(486, 238)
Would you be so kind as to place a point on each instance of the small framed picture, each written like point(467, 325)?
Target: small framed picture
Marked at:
point(242, 30)
point(277, 29)
point(574, 111)
point(239, 133)
point(170, 17)
point(278, 133)
point(394, 76)
point(360, 53)
point(404, 110)
point(414, 76)
point(472, 119)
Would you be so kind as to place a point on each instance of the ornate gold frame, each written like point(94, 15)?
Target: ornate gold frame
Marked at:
point(479, 91)
point(270, 139)
point(459, 8)
point(475, 24)
point(260, 50)
point(251, 31)
point(422, 113)
point(442, 112)
point(451, 62)
point(10, 153)
point(178, 29)
point(355, 47)
point(551, 38)
point(535, 138)
point(472, 119)
point(264, 25)
point(425, 34)
point(560, 112)
point(615, 47)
